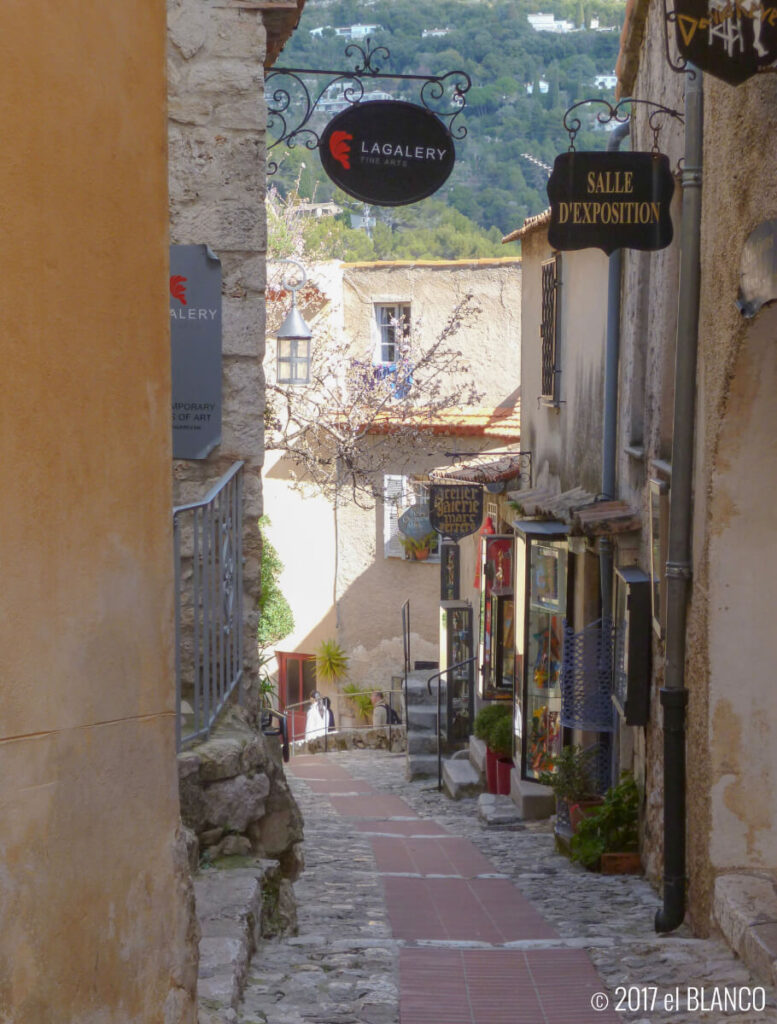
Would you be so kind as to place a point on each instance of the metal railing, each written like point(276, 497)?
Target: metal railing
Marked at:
point(208, 552)
point(438, 676)
point(344, 708)
point(405, 646)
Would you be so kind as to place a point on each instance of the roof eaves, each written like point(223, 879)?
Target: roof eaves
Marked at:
point(530, 225)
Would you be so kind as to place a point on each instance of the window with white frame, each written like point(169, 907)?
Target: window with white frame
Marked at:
point(406, 504)
point(392, 321)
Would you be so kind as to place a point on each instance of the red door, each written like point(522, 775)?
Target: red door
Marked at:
point(296, 683)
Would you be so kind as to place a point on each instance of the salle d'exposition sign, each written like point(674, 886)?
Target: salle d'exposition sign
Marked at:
point(456, 510)
point(610, 201)
point(195, 341)
point(730, 39)
point(387, 152)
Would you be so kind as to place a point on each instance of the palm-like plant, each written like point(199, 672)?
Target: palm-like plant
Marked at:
point(331, 662)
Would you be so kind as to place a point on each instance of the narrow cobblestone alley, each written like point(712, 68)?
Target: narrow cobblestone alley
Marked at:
point(411, 910)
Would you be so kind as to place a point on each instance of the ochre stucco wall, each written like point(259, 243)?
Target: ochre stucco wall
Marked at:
point(93, 913)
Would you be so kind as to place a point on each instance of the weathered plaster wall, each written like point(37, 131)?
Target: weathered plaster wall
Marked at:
point(491, 344)
point(217, 185)
point(731, 753)
point(566, 440)
point(365, 616)
point(96, 920)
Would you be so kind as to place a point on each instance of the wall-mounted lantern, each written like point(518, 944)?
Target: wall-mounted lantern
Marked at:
point(294, 335)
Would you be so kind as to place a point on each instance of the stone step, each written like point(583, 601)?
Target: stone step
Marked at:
point(422, 743)
point(421, 719)
point(235, 907)
point(417, 689)
point(459, 779)
point(421, 766)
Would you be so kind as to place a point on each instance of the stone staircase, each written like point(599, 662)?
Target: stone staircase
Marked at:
point(459, 777)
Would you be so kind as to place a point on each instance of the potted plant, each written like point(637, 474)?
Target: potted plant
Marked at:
point(418, 548)
point(500, 741)
point(608, 837)
point(485, 720)
point(571, 783)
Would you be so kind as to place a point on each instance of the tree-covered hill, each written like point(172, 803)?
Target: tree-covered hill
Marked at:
point(522, 82)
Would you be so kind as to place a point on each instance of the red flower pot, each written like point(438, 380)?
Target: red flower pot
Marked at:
point(504, 767)
point(491, 760)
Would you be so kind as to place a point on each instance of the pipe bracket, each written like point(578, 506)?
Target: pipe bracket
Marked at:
point(678, 570)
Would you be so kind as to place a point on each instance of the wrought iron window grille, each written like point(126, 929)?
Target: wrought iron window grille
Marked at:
point(549, 329)
point(586, 677)
point(293, 106)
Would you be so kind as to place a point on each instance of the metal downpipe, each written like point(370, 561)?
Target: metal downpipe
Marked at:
point(610, 423)
point(674, 696)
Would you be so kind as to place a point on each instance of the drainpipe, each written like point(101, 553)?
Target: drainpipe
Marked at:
point(674, 696)
point(611, 357)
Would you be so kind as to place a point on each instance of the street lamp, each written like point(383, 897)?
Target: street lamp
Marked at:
point(293, 364)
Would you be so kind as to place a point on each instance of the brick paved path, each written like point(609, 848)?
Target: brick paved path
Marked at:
point(411, 911)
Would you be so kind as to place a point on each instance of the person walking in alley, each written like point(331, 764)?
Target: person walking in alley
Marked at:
point(317, 717)
point(382, 714)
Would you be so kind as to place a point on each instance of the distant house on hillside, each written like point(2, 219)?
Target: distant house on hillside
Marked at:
point(548, 23)
point(348, 31)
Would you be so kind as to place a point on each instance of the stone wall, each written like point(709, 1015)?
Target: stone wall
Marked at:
point(235, 798)
point(217, 185)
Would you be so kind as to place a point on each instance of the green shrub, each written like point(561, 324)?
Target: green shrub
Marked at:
point(360, 699)
point(500, 737)
point(612, 827)
point(276, 619)
point(571, 779)
point(487, 718)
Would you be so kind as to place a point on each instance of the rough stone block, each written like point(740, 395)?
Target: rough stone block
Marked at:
point(220, 759)
point(745, 907)
point(212, 161)
point(477, 754)
point(233, 846)
point(235, 803)
point(497, 810)
point(226, 223)
point(189, 109)
point(238, 34)
point(188, 27)
point(243, 326)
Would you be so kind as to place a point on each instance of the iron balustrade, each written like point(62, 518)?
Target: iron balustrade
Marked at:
point(405, 646)
point(208, 553)
point(438, 676)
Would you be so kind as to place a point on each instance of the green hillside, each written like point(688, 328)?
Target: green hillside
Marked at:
point(522, 82)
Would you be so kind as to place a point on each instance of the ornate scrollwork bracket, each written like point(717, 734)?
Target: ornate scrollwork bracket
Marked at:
point(679, 63)
point(620, 112)
point(292, 103)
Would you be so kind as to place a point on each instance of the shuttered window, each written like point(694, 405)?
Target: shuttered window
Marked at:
point(549, 328)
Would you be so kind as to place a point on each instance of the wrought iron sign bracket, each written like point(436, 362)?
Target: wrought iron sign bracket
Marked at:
point(621, 116)
point(291, 104)
point(681, 65)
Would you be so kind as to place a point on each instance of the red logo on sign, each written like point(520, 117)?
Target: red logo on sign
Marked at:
point(178, 288)
point(339, 148)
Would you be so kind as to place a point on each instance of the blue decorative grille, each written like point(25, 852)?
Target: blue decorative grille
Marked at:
point(586, 678)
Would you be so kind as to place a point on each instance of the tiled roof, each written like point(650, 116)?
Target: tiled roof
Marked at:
point(579, 509)
point(530, 224)
point(481, 470)
point(280, 18)
point(503, 422)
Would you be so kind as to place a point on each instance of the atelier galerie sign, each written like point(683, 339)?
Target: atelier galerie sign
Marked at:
point(730, 39)
point(195, 342)
point(610, 201)
point(387, 152)
point(456, 510)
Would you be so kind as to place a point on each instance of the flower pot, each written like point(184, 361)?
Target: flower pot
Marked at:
point(491, 760)
point(581, 810)
point(504, 767)
point(621, 863)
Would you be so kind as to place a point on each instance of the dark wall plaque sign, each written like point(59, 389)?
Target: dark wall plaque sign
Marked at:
point(610, 201)
point(758, 269)
point(414, 521)
point(730, 39)
point(449, 571)
point(456, 510)
point(195, 341)
point(387, 152)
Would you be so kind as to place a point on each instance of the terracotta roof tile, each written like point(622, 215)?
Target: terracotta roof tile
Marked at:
point(541, 220)
point(503, 422)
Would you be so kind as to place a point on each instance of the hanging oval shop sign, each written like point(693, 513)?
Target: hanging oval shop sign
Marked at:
point(456, 510)
point(610, 201)
point(387, 152)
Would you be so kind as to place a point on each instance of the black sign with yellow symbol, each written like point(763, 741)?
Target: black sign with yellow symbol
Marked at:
point(730, 39)
point(610, 201)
